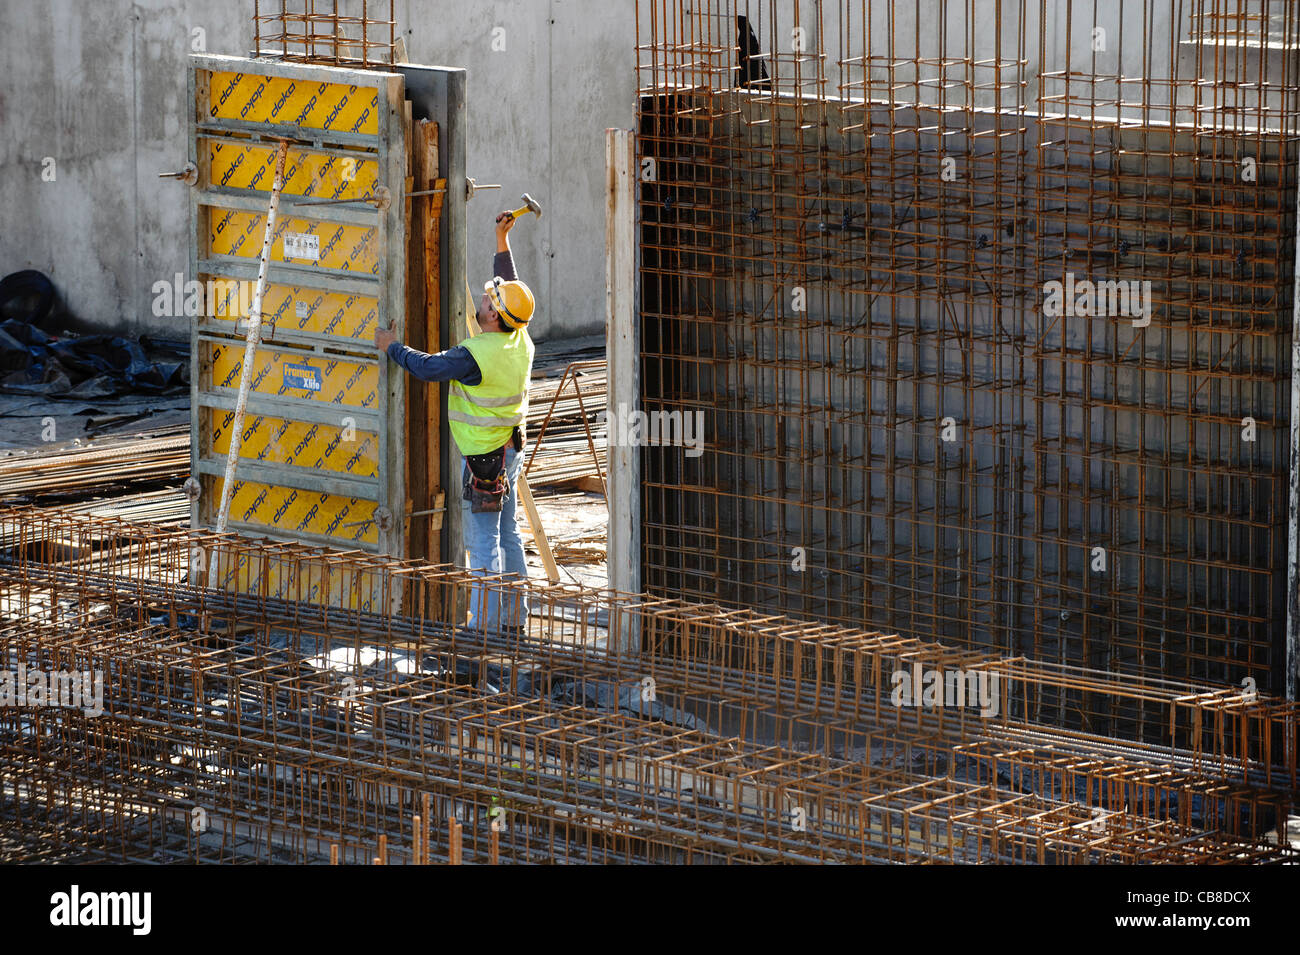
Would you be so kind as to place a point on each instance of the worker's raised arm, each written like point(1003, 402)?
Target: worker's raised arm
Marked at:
point(503, 263)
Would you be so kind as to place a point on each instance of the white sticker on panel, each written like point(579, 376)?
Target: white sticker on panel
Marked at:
point(300, 245)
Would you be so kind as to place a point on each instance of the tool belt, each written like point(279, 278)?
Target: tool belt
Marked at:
point(486, 486)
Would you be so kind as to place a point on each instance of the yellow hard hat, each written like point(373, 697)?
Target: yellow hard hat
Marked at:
point(512, 300)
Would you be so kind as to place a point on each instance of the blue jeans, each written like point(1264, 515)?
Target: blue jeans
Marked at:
point(493, 546)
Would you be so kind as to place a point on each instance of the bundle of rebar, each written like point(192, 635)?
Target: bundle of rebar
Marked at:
point(115, 464)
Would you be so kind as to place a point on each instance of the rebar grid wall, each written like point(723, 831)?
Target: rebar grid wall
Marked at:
point(277, 722)
point(851, 217)
point(353, 33)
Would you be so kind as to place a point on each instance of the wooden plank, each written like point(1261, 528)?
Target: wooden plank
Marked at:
point(452, 135)
point(586, 483)
point(439, 509)
point(417, 397)
point(622, 354)
point(539, 532)
point(428, 146)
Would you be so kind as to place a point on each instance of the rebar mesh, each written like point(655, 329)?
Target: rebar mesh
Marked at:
point(276, 722)
point(847, 250)
point(352, 33)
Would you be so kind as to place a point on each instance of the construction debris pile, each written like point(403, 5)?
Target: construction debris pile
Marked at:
point(269, 719)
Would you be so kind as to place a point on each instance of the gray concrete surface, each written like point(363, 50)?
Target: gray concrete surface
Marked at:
point(34, 422)
point(99, 87)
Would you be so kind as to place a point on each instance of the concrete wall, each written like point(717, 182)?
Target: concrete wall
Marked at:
point(538, 111)
point(100, 87)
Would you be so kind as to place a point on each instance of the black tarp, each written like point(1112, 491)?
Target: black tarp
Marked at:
point(89, 366)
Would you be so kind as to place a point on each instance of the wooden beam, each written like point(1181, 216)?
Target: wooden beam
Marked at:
point(539, 532)
point(417, 397)
point(622, 354)
point(433, 313)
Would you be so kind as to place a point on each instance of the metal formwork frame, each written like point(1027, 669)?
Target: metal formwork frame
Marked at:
point(383, 226)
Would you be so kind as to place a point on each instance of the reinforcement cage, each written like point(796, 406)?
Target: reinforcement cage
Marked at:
point(984, 312)
point(285, 723)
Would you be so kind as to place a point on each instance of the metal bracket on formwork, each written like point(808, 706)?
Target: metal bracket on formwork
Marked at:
point(192, 489)
point(383, 517)
point(472, 186)
point(381, 199)
point(188, 175)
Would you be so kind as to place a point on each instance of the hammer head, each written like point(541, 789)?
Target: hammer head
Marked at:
point(533, 205)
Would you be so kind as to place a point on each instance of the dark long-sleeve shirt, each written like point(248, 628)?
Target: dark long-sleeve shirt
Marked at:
point(454, 364)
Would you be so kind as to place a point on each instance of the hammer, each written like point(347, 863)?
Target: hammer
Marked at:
point(530, 205)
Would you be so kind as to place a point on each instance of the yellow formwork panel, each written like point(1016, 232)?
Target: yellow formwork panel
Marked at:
point(328, 380)
point(238, 165)
point(297, 308)
point(313, 580)
point(290, 510)
point(337, 107)
point(342, 449)
point(326, 245)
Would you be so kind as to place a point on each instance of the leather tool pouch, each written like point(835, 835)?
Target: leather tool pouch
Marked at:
point(485, 483)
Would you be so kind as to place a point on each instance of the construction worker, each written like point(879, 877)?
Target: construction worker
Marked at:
point(487, 404)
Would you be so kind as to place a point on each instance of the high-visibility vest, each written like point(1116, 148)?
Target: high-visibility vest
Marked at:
point(482, 416)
